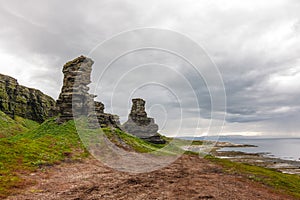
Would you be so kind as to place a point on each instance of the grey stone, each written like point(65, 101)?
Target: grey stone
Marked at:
point(140, 125)
point(75, 100)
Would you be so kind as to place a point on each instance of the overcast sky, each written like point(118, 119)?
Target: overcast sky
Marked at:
point(255, 44)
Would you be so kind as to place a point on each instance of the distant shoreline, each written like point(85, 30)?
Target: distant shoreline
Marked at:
point(258, 159)
point(234, 136)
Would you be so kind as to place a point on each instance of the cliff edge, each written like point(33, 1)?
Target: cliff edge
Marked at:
point(22, 101)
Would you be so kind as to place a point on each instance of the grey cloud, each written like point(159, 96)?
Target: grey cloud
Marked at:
point(250, 42)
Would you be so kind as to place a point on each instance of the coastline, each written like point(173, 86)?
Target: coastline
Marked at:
point(257, 159)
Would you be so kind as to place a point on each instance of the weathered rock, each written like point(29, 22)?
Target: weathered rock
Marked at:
point(140, 125)
point(105, 119)
point(75, 100)
point(25, 102)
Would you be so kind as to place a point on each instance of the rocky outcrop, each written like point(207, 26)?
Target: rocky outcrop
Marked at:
point(140, 125)
point(22, 101)
point(74, 93)
point(105, 119)
point(75, 100)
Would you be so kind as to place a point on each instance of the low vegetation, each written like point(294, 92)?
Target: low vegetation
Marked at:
point(35, 146)
point(11, 127)
point(286, 183)
point(120, 138)
point(26, 146)
point(46, 144)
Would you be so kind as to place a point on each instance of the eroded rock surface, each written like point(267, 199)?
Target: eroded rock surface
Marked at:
point(75, 99)
point(74, 93)
point(25, 102)
point(103, 119)
point(140, 125)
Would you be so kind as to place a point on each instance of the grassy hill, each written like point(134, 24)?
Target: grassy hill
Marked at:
point(30, 146)
point(11, 127)
point(43, 145)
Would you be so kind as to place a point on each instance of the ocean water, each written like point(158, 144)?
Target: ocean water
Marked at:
point(284, 148)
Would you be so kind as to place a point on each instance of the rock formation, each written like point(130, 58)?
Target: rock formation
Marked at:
point(75, 100)
point(140, 125)
point(22, 101)
point(74, 93)
point(105, 119)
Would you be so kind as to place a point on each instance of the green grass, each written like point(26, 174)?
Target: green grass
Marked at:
point(131, 141)
point(36, 146)
point(123, 140)
point(10, 127)
point(26, 123)
point(197, 142)
point(286, 183)
point(48, 144)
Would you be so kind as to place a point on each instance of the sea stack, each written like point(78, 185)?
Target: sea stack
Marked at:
point(75, 99)
point(74, 94)
point(140, 125)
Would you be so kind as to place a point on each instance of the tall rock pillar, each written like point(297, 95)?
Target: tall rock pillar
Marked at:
point(74, 94)
point(75, 100)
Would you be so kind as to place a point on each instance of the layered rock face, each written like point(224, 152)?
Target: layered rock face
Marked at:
point(25, 102)
point(74, 93)
point(105, 119)
point(140, 125)
point(75, 100)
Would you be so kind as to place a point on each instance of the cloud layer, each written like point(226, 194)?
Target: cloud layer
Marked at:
point(255, 44)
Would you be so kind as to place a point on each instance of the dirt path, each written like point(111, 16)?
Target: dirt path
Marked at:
point(190, 177)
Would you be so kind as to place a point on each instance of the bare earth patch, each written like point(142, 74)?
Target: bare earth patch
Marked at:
point(190, 177)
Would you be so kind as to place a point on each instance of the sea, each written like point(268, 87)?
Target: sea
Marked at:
point(283, 148)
